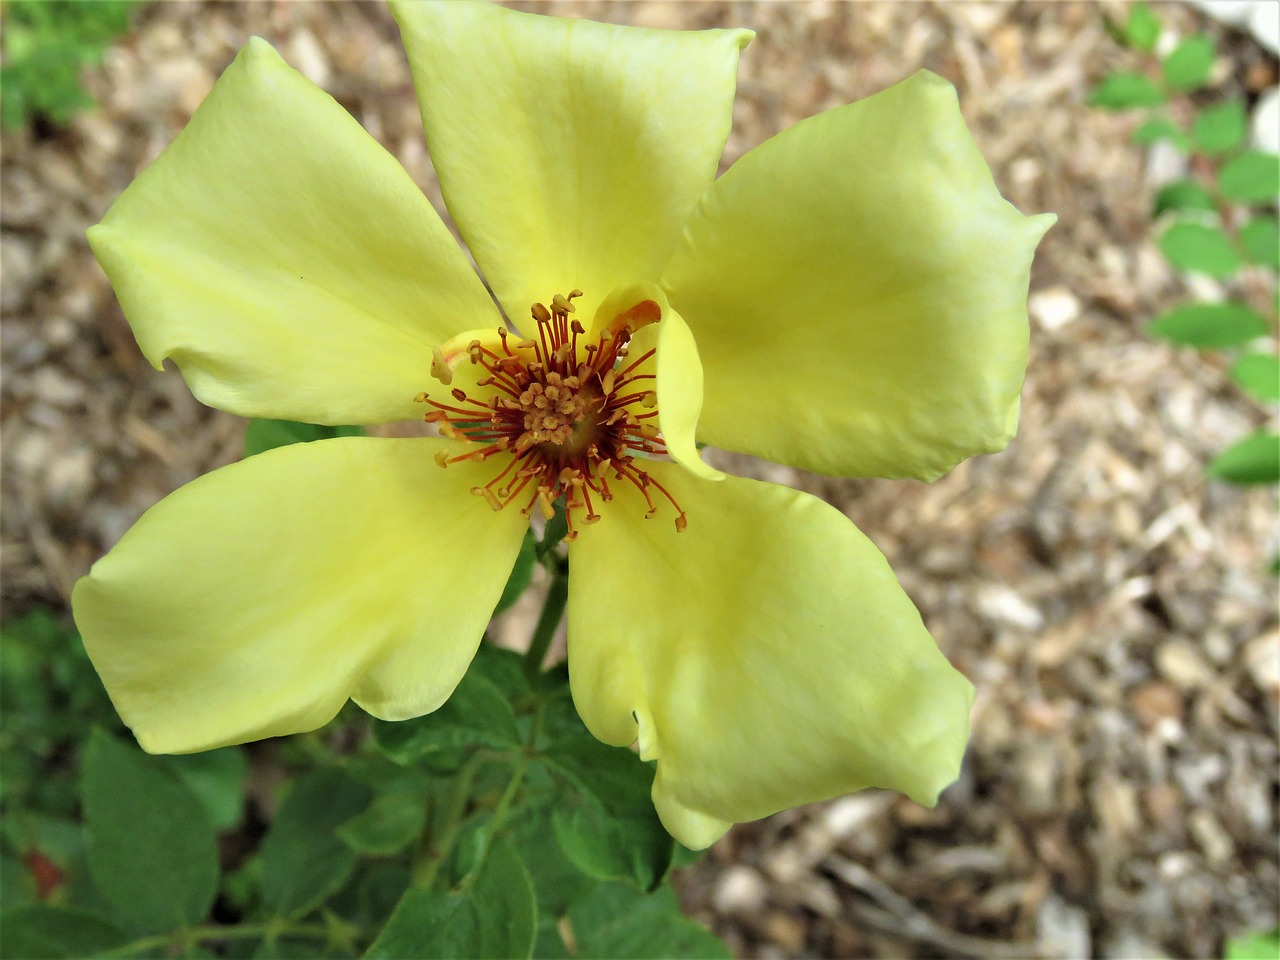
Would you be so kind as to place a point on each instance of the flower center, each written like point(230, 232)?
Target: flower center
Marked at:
point(566, 416)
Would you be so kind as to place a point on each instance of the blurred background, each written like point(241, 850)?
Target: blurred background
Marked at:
point(1115, 607)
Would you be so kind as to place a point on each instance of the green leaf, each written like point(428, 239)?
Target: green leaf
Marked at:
point(1255, 459)
point(497, 916)
point(1254, 946)
point(477, 714)
point(303, 859)
point(1182, 195)
point(556, 529)
point(621, 923)
point(1209, 326)
point(263, 435)
point(1160, 128)
point(216, 777)
point(1221, 127)
point(1200, 248)
point(1142, 29)
point(521, 573)
point(1188, 66)
point(609, 829)
point(43, 932)
point(386, 826)
point(557, 879)
point(1258, 374)
point(1252, 177)
point(152, 850)
point(1261, 240)
point(1121, 91)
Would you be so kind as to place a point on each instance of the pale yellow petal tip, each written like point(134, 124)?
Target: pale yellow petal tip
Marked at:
point(695, 830)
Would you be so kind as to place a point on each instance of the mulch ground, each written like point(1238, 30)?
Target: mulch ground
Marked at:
point(1111, 605)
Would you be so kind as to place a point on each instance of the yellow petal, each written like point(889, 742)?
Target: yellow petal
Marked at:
point(569, 152)
point(858, 287)
point(766, 656)
point(254, 601)
point(284, 260)
point(675, 367)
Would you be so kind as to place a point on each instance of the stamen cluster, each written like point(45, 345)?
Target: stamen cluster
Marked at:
point(567, 416)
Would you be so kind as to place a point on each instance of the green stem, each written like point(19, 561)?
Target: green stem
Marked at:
point(548, 621)
point(242, 931)
point(500, 812)
point(442, 835)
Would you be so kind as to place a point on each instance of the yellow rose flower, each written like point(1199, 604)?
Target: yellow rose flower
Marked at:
point(850, 298)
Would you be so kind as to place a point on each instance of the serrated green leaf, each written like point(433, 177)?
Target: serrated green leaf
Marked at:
point(388, 825)
point(1160, 128)
point(1142, 29)
point(1200, 248)
point(1209, 326)
point(152, 851)
point(622, 923)
point(1253, 460)
point(46, 932)
point(1182, 195)
point(1258, 374)
point(1254, 946)
point(1221, 127)
point(477, 714)
point(262, 435)
point(558, 881)
point(216, 777)
point(497, 916)
point(1190, 63)
point(1121, 91)
point(1252, 177)
point(609, 828)
point(1261, 240)
point(303, 860)
point(521, 573)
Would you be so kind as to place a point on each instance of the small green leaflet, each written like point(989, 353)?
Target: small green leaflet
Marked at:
point(1199, 248)
point(262, 435)
point(1252, 177)
point(1261, 240)
point(1209, 325)
point(1220, 128)
point(1258, 374)
point(1255, 459)
point(1188, 66)
point(1120, 91)
point(1142, 29)
point(1182, 195)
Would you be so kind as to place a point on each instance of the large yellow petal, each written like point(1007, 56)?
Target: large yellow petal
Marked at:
point(765, 656)
point(569, 152)
point(255, 600)
point(858, 287)
point(284, 260)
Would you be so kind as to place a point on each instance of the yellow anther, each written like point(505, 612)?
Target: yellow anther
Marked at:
point(541, 314)
point(442, 458)
point(649, 400)
point(474, 351)
point(490, 497)
point(545, 505)
point(682, 523)
point(560, 305)
point(421, 398)
point(440, 368)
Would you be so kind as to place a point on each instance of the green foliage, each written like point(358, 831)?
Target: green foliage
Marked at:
point(304, 861)
point(521, 572)
point(39, 931)
point(1259, 945)
point(1252, 177)
point(1209, 325)
point(1220, 128)
point(1261, 240)
point(1121, 91)
point(1142, 29)
point(1188, 66)
point(1255, 459)
point(1183, 195)
point(152, 850)
point(494, 916)
point(46, 43)
point(1196, 246)
point(262, 435)
point(1160, 128)
point(1258, 374)
point(1212, 231)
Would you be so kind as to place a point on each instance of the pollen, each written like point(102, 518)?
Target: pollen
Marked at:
point(559, 416)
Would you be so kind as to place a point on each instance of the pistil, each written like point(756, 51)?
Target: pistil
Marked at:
point(561, 412)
